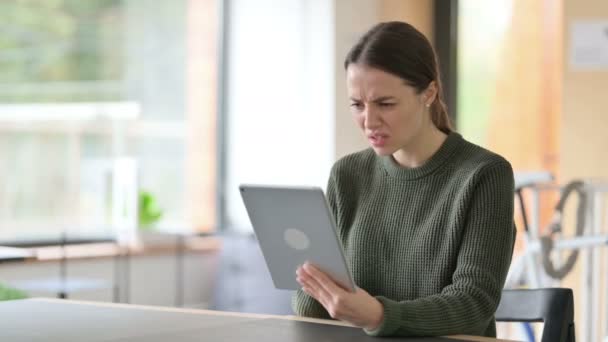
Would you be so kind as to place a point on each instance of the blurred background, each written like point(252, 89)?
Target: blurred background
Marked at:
point(126, 126)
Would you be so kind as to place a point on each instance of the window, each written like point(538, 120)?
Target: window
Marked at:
point(509, 95)
point(279, 98)
point(87, 85)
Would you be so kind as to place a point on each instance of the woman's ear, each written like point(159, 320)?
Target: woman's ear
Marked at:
point(430, 93)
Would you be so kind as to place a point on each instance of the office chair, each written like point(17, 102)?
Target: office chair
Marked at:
point(553, 306)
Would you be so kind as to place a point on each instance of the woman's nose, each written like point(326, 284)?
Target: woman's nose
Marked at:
point(371, 118)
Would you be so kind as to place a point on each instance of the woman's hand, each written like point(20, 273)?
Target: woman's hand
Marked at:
point(358, 308)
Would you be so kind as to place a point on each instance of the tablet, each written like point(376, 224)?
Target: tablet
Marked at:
point(294, 225)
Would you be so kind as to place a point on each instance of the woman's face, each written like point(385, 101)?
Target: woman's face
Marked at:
point(389, 112)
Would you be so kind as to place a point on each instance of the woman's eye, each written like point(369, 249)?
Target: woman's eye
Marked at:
point(357, 106)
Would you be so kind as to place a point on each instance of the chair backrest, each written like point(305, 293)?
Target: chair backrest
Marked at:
point(553, 306)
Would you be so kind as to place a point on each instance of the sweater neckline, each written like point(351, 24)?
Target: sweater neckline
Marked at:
point(446, 149)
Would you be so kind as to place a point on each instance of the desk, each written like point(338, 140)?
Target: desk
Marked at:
point(15, 254)
point(61, 285)
point(66, 320)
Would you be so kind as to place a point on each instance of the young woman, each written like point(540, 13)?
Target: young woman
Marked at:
point(425, 217)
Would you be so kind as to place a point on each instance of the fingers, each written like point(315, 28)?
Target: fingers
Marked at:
point(323, 279)
point(320, 286)
point(312, 286)
point(357, 308)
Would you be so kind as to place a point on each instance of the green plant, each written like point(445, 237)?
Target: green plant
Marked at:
point(149, 212)
point(9, 293)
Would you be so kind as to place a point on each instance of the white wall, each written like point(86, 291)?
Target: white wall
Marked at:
point(279, 97)
point(352, 19)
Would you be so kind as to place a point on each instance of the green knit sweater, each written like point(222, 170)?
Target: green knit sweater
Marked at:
point(433, 244)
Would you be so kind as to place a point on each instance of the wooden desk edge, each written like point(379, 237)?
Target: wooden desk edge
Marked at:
point(207, 244)
point(237, 314)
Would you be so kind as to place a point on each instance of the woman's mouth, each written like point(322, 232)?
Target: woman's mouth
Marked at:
point(377, 140)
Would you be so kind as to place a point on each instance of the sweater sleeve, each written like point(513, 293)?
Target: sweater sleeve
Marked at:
point(301, 303)
point(468, 304)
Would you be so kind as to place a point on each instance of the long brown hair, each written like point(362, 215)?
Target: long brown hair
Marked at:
point(400, 49)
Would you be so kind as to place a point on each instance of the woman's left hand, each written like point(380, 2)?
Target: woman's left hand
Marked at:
point(358, 308)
